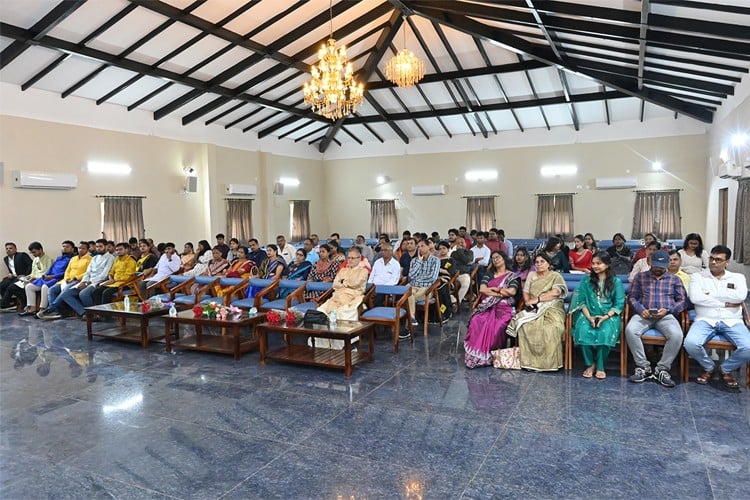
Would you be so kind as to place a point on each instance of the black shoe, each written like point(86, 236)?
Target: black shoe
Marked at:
point(640, 375)
point(665, 379)
point(404, 334)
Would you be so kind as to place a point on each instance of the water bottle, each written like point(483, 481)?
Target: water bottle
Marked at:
point(332, 316)
point(126, 303)
point(172, 311)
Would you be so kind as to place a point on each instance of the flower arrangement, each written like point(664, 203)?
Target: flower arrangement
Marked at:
point(290, 317)
point(212, 310)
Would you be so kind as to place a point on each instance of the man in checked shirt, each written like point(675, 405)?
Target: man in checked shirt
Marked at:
point(423, 271)
point(656, 297)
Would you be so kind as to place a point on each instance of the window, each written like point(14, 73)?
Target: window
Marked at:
point(554, 215)
point(240, 219)
point(657, 212)
point(383, 218)
point(299, 223)
point(122, 218)
point(480, 212)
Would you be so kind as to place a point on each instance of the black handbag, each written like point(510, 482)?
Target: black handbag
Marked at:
point(315, 317)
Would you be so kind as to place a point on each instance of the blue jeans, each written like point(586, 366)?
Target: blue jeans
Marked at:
point(78, 299)
point(701, 332)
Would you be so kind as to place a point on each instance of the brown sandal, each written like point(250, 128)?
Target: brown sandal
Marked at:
point(704, 377)
point(729, 381)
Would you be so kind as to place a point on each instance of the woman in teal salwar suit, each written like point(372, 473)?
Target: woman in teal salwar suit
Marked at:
point(596, 308)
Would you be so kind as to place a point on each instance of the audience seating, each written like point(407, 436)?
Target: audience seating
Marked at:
point(391, 317)
point(266, 286)
point(430, 299)
point(176, 287)
point(232, 289)
point(311, 286)
point(279, 302)
point(718, 342)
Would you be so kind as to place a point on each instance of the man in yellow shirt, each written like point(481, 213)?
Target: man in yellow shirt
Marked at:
point(122, 270)
point(675, 261)
point(73, 274)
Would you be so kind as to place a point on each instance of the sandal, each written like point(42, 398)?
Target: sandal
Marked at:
point(729, 381)
point(704, 377)
point(601, 375)
point(588, 372)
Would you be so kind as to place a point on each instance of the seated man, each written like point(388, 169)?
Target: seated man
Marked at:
point(718, 295)
point(123, 269)
point(675, 261)
point(168, 264)
point(79, 296)
point(408, 255)
point(482, 255)
point(348, 288)
point(364, 249)
point(286, 250)
point(73, 274)
point(656, 297)
point(257, 255)
point(385, 271)
point(222, 246)
point(464, 258)
point(39, 267)
point(18, 264)
point(311, 254)
point(423, 271)
point(52, 276)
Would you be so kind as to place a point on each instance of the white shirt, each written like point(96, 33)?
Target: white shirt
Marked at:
point(639, 267)
point(98, 270)
point(693, 264)
point(385, 274)
point(288, 253)
point(509, 246)
point(709, 294)
point(484, 253)
point(166, 267)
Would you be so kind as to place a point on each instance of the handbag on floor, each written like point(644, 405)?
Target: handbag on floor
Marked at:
point(507, 359)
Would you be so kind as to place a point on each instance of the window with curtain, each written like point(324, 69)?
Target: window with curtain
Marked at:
point(383, 218)
point(657, 212)
point(299, 223)
point(480, 212)
point(122, 218)
point(240, 219)
point(741, 250)
point(554, 215)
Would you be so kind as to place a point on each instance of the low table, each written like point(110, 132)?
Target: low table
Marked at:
point(319, 356)
point(130, 333)
point(225, 344)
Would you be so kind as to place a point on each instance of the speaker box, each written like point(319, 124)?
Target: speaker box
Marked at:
point(278, 189)
point(191, 184)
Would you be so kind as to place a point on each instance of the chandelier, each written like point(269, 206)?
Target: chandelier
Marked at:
point(404, 69)
point(332, 91)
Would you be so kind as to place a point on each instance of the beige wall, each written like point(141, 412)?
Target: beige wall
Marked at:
point(601, 212)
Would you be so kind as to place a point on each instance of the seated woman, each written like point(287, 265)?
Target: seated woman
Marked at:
point(215, 267)
point(242, 267)
point(541, 324)
point(147, 260)
point(234, 244)
point(273, 266)
point(490, 319)
point(335, 253)
point(589, 242)
point(558, 259)
point(596, 307)
point(522, 264)
point(188, 257)
point(694, 257)
point(204, 256)
point(323, 271)
point(448, 268)
point(401, 249)
point(641, 253)
point(580, 257)
point(620, 254)
point(299, 269)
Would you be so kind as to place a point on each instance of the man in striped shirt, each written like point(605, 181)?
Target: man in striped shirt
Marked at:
point(656, 298)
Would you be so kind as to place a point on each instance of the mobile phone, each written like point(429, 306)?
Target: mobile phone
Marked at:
point(596, 322)
point(653, 311)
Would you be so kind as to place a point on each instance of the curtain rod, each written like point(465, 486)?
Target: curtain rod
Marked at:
point(120, 197)
point(249, 199)
point(486, 196)
point(553, 194)
point(298, 200)
point(381, 199)
point(657, 190)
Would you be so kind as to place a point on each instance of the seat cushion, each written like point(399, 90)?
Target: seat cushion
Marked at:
point(244, 303)
point(421, 302)
point(184, 299)
point(213, 300)
point(163, 296)
point(653, 332)
point(383, 313)
point(276, 304)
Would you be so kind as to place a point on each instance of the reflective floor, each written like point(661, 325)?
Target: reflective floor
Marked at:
point(108, 419)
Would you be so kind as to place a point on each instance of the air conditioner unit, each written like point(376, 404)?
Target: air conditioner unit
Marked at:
point(44, 180)
point(241, 189)
point(437, 189)
point(730, 170)
point(615, 182)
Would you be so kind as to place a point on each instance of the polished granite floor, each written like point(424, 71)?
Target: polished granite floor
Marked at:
point(107, 419)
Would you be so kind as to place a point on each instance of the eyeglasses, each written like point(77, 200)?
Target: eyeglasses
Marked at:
point(718, 260)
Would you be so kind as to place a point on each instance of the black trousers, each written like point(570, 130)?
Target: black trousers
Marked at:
point(11, 294)
point(104, 294)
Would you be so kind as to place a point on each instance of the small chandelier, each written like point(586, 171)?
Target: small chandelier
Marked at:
point(404, 69)
point(333, 92)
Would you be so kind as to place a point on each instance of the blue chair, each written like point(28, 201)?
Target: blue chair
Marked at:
point(265, 285)
point(177, 287)
point(391, 317)
point(231, 289)
point(303, 305)
point(283, 303)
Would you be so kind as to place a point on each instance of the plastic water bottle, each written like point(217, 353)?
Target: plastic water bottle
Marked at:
point(332, 316)
point(172, 311)
point(126, 303)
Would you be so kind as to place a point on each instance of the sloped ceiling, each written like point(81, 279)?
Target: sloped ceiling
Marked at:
point(490, 66)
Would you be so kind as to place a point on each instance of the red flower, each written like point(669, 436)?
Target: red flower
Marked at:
point(197, 311)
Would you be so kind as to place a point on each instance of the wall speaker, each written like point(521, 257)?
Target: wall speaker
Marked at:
point(278, 189)
point(191, 184)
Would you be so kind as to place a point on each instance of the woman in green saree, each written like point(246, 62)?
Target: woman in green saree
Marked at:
point(541, 324)
point(596, 308)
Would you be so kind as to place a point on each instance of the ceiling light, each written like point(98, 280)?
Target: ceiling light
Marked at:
point(104, 168)
point(739, 139)
point(480, 175)
point(289, 181)
point(332, 91)
point(657, 166)
point(383, 179)
point(558, 170)
point(404, 69)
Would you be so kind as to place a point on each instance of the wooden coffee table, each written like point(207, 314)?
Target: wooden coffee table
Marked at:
point(319, 356)
point(232, 343)
point(123, 331)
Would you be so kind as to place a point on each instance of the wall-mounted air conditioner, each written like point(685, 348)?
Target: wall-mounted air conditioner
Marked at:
point(43, 180)
point(729, 170)
point(615, 182)
point(241, 189)
point(437, 189)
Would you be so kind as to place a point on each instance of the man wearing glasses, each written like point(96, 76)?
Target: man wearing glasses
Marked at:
point(718, 295)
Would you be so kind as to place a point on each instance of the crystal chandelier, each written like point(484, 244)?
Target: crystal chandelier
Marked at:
point(333, 92)
point(404, 69)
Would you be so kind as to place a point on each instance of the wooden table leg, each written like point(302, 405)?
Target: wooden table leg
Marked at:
point(88, 327)
point(263, 341)
point(144, 331)
point(348, 357)
point(168, 334)
point(371, 347)
point(236, 333)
